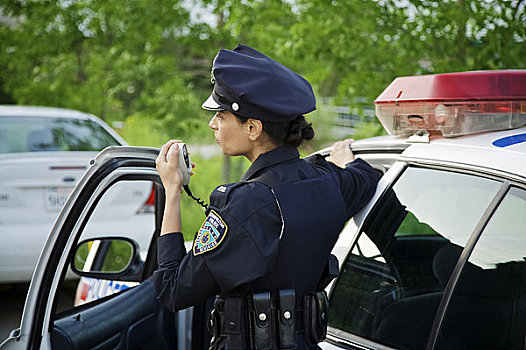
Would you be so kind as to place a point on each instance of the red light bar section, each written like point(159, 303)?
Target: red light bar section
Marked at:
point(464, 86)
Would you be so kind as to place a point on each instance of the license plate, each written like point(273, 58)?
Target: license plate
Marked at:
point(56, 197)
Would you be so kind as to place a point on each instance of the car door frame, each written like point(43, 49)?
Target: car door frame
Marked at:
point(112, 164)
point(342, 248)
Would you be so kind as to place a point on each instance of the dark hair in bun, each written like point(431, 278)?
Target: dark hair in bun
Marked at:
point(289, 133)
point(292, 133)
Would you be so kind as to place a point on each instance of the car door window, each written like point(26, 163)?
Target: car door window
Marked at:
point(124, 210)
point(488, 306)
point(392, 281)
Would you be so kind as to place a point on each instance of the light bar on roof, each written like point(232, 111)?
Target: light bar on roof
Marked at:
point(455, 103)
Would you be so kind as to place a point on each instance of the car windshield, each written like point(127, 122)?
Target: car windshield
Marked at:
point(38, 134)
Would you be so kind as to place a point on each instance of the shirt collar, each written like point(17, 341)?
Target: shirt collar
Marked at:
point(265, 160)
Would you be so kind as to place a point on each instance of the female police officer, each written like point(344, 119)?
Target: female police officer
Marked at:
point(266, 240)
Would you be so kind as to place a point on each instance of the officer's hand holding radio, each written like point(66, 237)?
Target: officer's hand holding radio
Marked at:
point(175, 168)
point(341, 153)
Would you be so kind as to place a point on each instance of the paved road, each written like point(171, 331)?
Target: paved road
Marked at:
point(12, 299)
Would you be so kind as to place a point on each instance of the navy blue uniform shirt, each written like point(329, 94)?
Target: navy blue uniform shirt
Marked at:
point(259, 237)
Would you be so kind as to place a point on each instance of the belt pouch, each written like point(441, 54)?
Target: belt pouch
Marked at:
point(262, 321)
point(287, 329)
point(233, 323)
point(315, 310)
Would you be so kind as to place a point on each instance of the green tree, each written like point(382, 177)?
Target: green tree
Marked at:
point(356, 48)
point(352, 49)
point(149, 61)
point(469, 34)
point(109, 57)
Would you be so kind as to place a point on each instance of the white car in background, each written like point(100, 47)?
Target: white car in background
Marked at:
point(43, 153)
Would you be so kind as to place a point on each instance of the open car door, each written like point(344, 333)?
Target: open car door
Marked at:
point(86, 240)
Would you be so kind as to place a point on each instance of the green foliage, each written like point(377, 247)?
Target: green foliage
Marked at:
point(112, 58)
point(147, 63)
point(412, 227)
point(354, 59)
point(148, 60)
point(144, 131)
point(368, 129)
point(468, 34)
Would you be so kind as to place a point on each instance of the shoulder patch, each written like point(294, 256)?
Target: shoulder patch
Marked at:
point(211, 234)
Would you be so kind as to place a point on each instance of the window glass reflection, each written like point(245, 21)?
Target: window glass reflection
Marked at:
point(451, 205)
point(504, 237)
point(488, 306)
point(38, 134)
point(393, 280)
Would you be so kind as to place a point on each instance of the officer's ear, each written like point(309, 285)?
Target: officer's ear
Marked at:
point(255, 128)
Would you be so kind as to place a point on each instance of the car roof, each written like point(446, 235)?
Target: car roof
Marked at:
point(39, 111)
point(498, 151)
point(501, 152)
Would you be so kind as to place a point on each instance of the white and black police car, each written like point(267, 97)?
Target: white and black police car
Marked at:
point(436, 260)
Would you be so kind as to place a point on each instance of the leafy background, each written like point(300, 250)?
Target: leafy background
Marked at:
point(146, 63)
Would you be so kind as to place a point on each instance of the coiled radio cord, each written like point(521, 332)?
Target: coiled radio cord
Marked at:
point(198, 200)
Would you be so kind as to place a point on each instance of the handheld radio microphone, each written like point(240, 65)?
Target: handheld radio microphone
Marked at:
point(186, 168)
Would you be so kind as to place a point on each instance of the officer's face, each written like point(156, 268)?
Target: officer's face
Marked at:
point(231, 135)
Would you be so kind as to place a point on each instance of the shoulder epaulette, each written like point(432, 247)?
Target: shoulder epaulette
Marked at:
point(219, 196)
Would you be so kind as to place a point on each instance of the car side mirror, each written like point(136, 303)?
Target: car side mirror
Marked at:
point(114, 258)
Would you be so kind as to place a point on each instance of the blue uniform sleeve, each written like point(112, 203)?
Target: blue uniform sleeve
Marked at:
point(358, 183)
point(181, 280)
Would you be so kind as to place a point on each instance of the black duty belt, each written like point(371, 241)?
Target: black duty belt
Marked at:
point(268, 321)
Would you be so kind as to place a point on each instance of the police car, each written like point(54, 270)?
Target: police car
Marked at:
point(434, 261)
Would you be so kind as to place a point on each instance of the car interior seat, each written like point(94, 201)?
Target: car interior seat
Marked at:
point(475, 318)
point(406, 323)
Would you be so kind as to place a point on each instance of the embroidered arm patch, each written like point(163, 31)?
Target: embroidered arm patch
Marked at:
point(210, 234)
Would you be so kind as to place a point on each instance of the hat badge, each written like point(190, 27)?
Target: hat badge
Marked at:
point(235, 106)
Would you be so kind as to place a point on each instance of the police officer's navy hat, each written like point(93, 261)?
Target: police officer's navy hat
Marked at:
point(252, 85)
